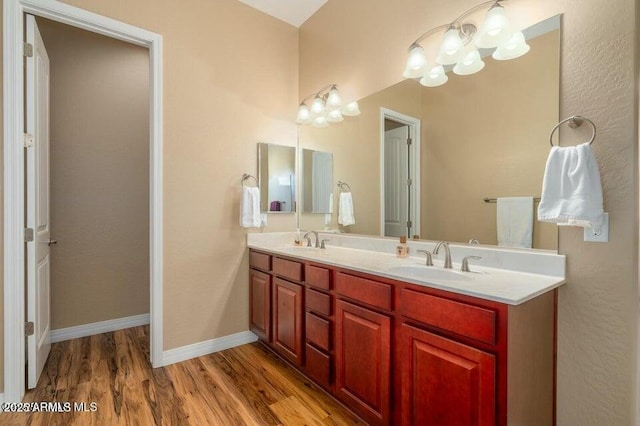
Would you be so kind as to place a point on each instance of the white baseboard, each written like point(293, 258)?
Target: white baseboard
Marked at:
point(207, 347)
point(85, 330)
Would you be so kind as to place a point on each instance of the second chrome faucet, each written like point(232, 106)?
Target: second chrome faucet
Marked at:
point(447, 254)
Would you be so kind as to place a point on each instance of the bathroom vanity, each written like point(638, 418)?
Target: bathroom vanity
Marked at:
point(398, 348)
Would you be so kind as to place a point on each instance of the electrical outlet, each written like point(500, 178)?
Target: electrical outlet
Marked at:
point(603, 237)
point(263, 220)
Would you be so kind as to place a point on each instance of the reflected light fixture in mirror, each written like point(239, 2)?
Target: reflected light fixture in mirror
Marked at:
point(326, 107)
point(460, 44)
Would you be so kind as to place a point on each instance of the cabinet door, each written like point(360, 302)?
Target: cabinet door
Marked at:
point(445, 382)
point(287, 320)
point(363, 361)
point(260, 304)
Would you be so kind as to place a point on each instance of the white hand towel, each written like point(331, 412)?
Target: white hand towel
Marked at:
point(250, 207)
point(515, 222)
point(345, 210)
point(571, 189)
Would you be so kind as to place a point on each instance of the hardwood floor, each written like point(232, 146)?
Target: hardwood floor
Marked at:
point(247, 385)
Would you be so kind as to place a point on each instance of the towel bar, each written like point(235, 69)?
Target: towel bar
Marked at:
point(495, 200)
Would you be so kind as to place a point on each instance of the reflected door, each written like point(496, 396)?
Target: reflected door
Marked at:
point(396, 183)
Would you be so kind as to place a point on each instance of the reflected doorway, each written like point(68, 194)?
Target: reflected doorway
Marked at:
point(400, 163)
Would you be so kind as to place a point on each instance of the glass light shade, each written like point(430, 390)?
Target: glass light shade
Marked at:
point(304, 115)
point(416, 64)
point(495, 29)
point(317, 106)
point(434, 78)
point(451, 48)
point(335, 116)
point(515, 47)
point(470, 63)
point(334, 101)
point(351, 109)
point(320, 122)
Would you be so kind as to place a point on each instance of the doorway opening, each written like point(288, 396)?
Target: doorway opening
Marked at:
point(16, 234)
point(399, 174)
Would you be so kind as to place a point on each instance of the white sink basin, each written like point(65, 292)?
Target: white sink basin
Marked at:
point(300, 249)
point(428, 272)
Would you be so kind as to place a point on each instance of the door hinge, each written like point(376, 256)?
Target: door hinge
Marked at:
point(409, 182)
point(409, 224)
point(28, 50)
point(29, 328)
point(409, 141)
point(28, 140)
point(28, 235)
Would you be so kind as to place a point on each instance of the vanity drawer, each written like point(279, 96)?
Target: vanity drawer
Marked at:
point(460, 318)
point(318, 331)
point(372, 293)
point(259, 260)
point(318, 277)
point(287, 269)
point(318, 302)
point(318, 366)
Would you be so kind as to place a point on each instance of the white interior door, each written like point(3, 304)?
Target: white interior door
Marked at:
point(396, 182)
point(37, 181)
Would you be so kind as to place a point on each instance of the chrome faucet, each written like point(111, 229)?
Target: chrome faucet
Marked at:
point(306, 237)
point(447, 254)
point(465, 263)
point(429, 257)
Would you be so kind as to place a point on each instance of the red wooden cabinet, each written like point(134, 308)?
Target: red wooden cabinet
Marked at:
point(287, 320)
point(363, 361)
point(260, 304)
point(445, 382)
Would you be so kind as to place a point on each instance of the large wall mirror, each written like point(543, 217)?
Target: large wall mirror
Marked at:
point(476, 137)
point(277, 178)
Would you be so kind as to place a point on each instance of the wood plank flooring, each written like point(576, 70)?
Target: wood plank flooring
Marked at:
point(247, 385)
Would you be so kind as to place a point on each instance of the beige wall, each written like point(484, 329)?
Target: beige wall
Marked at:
point(99, 176)
point(598, 307)
point(230, 80)
point(487, 136)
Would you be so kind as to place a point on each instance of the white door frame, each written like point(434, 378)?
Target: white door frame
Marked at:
point(415, 135)
point(14, 259)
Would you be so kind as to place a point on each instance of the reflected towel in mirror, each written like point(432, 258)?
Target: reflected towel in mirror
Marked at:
point(515, 222)
point(346, 215)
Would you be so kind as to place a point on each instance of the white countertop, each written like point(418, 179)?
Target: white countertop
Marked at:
point(512, 287)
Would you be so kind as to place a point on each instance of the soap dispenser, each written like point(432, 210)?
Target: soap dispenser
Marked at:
point(402, 250)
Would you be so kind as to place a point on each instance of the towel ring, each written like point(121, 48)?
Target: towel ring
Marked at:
point(246, 176)
point(341, 185)
point(574, 122)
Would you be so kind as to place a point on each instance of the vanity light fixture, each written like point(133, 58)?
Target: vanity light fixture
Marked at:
point(459, 47)
point(326, 107)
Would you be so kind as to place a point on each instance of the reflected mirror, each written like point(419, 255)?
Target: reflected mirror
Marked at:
point(277, 178)
point(479, 136)
point(317, 181)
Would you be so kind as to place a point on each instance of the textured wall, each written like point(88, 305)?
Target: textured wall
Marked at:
point(99, 176)
point(597, 319)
